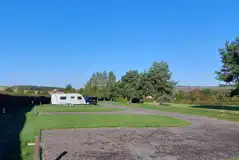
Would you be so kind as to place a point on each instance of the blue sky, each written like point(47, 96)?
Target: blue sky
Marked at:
point(60, 42)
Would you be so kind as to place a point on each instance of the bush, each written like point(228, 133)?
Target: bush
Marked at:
point(9, 89)
point(198, 94)
point(30, 92)
point(20, 90)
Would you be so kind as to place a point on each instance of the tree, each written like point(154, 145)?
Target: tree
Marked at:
point(97, 85)
point(111, 86)
point(229, 72)
point(129, 84)
point(69, 89)
point(144, 85)
point(181, 95)
point(9, 89)
point(81, 90)
point(160, 79)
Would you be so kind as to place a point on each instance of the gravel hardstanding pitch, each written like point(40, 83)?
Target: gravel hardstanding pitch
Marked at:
point(205, 139)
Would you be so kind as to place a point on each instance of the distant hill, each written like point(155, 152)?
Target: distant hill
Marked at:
point(190, 88)
point(37, 88)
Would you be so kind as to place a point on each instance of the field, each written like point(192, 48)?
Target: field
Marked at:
point(75, 108)
point(230, 113)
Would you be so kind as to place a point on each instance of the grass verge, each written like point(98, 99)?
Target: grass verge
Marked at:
point(34, 124)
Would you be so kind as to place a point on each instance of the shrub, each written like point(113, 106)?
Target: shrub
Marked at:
point(30, 92)
point(9, 89)
point(20, 90)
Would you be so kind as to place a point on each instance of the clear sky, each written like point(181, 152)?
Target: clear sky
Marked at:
point(55, 43)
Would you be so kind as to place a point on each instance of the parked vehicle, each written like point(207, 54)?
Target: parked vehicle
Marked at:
point(67, 98)
point(137, 100)
point(91, 100)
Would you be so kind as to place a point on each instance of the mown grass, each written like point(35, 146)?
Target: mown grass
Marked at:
point(75, 108)
point(34, 124)
point(193, 110)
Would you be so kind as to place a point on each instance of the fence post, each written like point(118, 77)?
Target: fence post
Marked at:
point(36, 148)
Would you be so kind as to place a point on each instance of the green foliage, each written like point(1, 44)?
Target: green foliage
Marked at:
point(9, 89)
point(20, 90)
point(221, 98)
point(192, 99)
point(81, 90)
point(111, 86)
point(206, 96)
point(128, 84)
point(160, 82)
point(102, 84)
point(69, 89)
point(30, 92)
point(180, 95)
point(229, 72)
point(155, 82)
point(235, 91)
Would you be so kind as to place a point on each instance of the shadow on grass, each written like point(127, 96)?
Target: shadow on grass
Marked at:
point(230, 108)
point(12, 122)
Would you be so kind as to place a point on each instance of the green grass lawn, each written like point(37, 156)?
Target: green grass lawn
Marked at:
point(34, 124)
point(76, 108)
point(208, 111)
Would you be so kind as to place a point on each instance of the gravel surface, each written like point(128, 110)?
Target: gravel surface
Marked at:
point(205, 139)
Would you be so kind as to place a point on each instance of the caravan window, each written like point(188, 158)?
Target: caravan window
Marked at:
point(72, 97)
point(62, 98)
point(79, 98)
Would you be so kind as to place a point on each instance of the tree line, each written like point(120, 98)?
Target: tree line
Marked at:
point(154, 82)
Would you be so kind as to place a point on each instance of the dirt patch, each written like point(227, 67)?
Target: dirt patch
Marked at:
point(135, 143)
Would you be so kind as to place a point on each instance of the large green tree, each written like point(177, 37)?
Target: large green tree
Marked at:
point(101, 84)
point(129, 84)
point(144, 85)
point(160, 81)
point(111, 86)
point(91, 87)
point(229, 71)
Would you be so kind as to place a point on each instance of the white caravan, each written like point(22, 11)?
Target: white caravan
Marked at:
point(67, 99)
